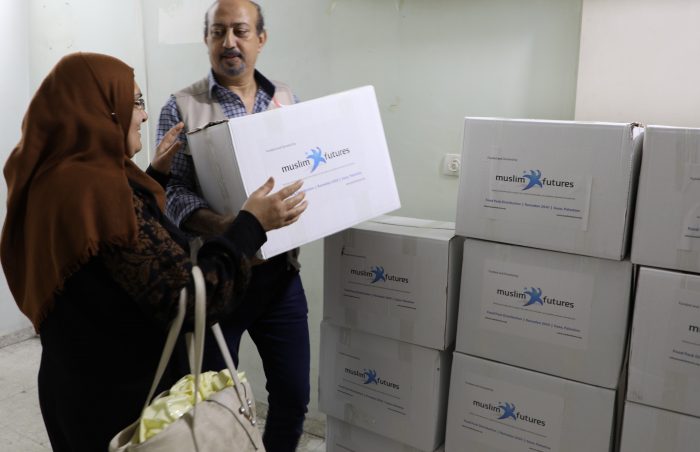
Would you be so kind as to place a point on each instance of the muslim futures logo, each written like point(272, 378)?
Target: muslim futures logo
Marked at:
point(314, 158)
point(377, 274)
point(508, 410)
point(533, 296)
point(533, 178)
point(370, 377)
point(505, 411)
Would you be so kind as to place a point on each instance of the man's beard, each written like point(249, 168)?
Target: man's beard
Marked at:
point(235, 69)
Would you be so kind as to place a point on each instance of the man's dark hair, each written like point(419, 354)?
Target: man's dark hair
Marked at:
point(259, 25)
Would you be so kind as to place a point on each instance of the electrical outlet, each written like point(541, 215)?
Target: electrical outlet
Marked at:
point(451, 164)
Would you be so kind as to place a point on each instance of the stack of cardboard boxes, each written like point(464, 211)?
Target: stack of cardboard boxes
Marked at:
point(662, 411)
point(391, 289)
point(545, 297)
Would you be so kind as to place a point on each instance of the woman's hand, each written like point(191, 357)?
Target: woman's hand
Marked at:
point(166, 150)
point(278, 209)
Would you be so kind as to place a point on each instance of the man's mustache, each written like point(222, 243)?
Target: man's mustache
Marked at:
point(232, 54)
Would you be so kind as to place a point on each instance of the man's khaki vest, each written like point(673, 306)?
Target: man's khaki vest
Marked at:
point(197, 109)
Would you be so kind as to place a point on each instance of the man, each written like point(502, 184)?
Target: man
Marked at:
point(274, 311)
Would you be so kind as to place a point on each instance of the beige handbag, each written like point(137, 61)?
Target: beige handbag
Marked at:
point(224, 422)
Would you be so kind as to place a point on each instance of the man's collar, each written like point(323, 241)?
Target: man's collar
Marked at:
point(263, 83)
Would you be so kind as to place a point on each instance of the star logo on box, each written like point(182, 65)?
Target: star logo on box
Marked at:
point(378, 273)
point(507, 410)
point(316, 158)
point(534, 296)
point(532, 179)
point(371, 375)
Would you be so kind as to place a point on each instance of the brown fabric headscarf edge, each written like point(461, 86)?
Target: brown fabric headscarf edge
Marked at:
point(68, 179)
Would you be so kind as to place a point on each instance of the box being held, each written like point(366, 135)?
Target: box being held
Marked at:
point(395, 277)
point(667, 218)
point(498, 408)
point(648, 429)
point(557, 185)
point(557, 313)
point(336, 144)
point(391, 388)
point(664, 367)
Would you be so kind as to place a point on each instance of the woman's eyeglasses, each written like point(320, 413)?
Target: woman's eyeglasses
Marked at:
point(140, 103)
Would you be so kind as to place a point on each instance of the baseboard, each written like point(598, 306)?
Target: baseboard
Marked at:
point(315, 423)
point(17, 336)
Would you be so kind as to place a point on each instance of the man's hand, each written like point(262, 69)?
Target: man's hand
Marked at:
point(169, 145)
point(278, 209)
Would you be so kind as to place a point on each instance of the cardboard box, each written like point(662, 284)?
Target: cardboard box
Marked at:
point(667, 221)
point(395, 277)
point(343, 437)
point(557, 185)
point(498, 408)
point(336, 144)
point(395, 389)
point(664, 368)
point(648, 429)
point(557, 313)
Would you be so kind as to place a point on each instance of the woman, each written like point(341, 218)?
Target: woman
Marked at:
point(90, 257)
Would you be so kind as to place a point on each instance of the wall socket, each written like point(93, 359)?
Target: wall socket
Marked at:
point(451, 164)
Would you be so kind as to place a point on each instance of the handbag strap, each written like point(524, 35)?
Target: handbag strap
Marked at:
point(247, 409)
point(246, 404)
point(169, 346)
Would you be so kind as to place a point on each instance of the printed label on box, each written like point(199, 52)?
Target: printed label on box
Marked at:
point(385, 285)
point(538, 303)
point(682, 345)
point(321, 167)
point(511, 417)
point(690, 237)
point(372, 379)
point(528, 194)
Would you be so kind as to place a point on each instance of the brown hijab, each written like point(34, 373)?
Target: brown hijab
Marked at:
point(68, 178)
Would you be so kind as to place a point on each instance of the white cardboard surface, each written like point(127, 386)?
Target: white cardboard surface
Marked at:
point(394, 389)
point(395, 277)
point(667, 219)
point(557, 185)
point(498, 408)
point(648, 429)
point(343, 437)
point(556, 313)
point(664, 367)
point(336, 144)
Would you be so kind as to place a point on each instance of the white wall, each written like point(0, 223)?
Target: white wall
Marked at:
point(432, 63)
point(14, 92)
point(640, 62)
point(57, 28)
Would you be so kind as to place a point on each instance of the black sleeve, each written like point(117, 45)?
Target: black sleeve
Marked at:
point(159, 177)
point(154, 268)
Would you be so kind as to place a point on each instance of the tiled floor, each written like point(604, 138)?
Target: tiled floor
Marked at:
point(21, 427)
